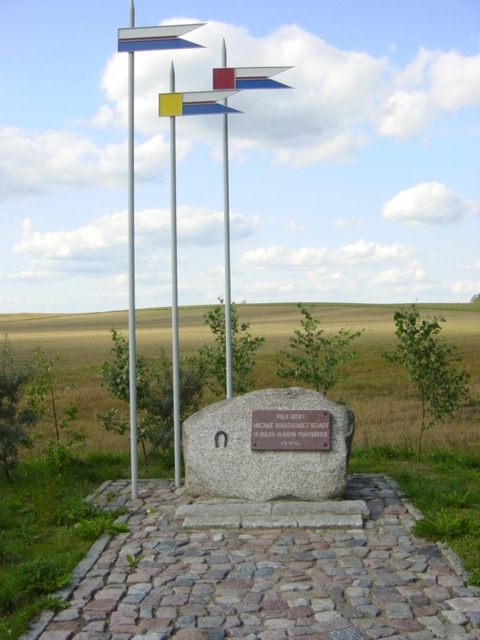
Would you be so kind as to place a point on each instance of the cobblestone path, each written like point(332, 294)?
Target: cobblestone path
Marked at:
point(206, 583)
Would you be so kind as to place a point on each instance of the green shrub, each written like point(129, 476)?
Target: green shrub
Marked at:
point(97, 526)
point(43, 575)
point(445, 524)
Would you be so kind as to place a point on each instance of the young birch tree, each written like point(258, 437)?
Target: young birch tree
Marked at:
point(430, 366)
point(317, 358)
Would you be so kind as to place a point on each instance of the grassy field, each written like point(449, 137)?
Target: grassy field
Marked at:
point(384, 404)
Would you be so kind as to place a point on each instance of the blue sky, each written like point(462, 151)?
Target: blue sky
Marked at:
point(359, 185)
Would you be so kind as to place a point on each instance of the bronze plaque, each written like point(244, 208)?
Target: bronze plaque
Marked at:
point(286, 430)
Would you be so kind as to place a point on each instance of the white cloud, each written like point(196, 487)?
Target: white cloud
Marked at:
point(454, 80)
point(325, 280)
point(281, 287)
point(348, 223)
point(363, 252)
point(471, 267)
point(429, 203)
point(339, 96)
point(283, 257)
point(340, 148)
point(407, 113)
point(91, 240)
point(32, 274)
point(414, 272)
point(32, 163)
point(465, 286)
point(435, 82)
point(101, 244)
point(359, 253)
point(322, 119)
point(296, 228)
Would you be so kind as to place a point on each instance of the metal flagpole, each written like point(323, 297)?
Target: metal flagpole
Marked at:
point(132, 353)
point(226, 213)
point(236, 79)
point(133, 39)
point(175, 347)
point(171, 105)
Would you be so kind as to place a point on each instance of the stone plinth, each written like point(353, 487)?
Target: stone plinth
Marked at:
point(227, 513)
point(235, 471)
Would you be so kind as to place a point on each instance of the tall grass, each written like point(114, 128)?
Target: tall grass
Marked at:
point(39, 538)
point(384, 403)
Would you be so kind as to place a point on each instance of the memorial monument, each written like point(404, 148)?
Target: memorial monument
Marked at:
point(276, 444)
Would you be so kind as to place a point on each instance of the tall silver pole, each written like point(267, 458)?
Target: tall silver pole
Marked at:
point(131, 274)
point(175, 347)
point(226, 213)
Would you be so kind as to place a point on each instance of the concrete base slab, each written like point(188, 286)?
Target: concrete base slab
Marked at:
point(212, 521)
point(348, 514)
point(332, 507)
point(223, 508)
point(268, 522)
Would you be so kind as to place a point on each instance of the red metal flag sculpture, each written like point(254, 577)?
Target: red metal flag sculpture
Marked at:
point(248, 78)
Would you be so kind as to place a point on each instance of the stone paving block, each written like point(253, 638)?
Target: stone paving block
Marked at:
point(399, 611)
point(93, 635)
point(191, 634)
point(348, 633)
point(88, 587)
point(369, 610)
point(105, 605)
point(154, 635)
point(67, 614)
point(210, 622)
point(464, 604)
point(296, 586)
point(96, 627)
point(299, 612)
point(110, 593)
point(421, 635)
point(406, 625)
point(185, 622)
point(279, 623)
point(273, 634)
point(323, 604)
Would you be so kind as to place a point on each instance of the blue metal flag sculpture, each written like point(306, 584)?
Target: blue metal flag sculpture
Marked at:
point(156, 38)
